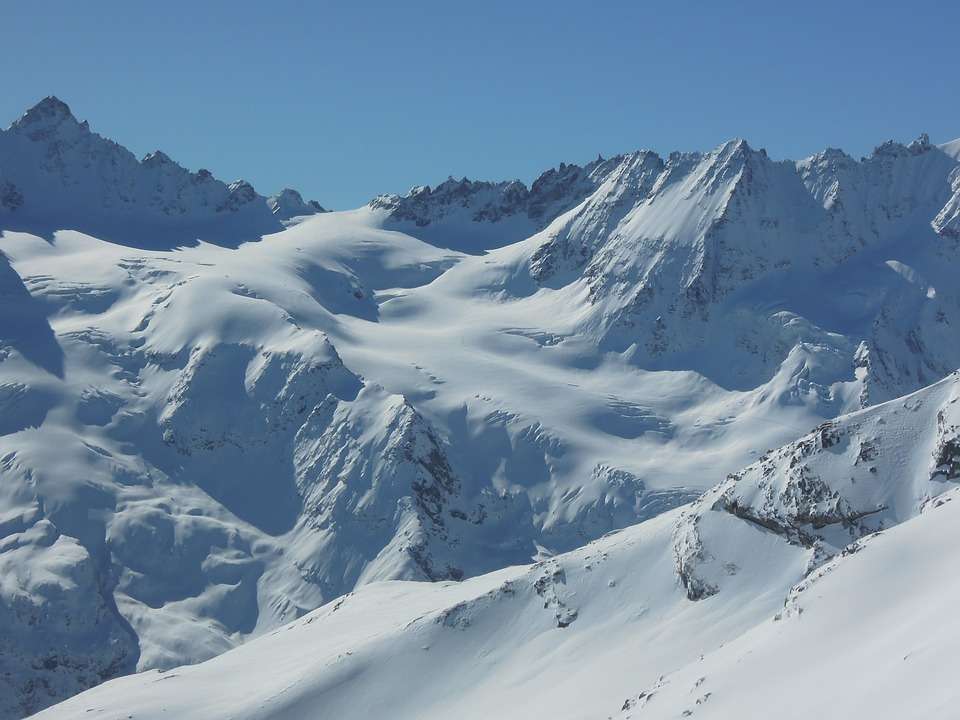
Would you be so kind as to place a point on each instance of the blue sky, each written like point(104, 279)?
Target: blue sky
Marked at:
point(347, 100)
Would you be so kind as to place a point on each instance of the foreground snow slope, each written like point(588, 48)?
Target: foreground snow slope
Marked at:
point(808, 600)
point(220, 411)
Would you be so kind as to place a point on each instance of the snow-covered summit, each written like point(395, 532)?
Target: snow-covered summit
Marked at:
point(700, 242)
point(45, 118)
point(288, 203)
point(497, 212)
point(54, 169)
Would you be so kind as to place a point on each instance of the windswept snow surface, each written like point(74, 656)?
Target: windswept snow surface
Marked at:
point(220, 411)
point(831, 590)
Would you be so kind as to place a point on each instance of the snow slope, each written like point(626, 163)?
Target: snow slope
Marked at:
point(808, 600)
point(219, 412)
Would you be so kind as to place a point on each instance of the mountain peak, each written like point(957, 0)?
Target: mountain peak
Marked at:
point(55, 164)
point(156, 158)
point(921, 144)
point(736, 145)
point(50, 111)
point(289, 203)
point(892, 148)
point(726, 162)
point(50, 105)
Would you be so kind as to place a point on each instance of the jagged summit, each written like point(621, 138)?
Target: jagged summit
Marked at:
point(892, 148)
point(730, 176)
point(289, 203)
point(49, 110)
point(521, 210)
point(54, 168)
point(50, 120)
point(499, 213)
point(158, 157)
point(666, 251)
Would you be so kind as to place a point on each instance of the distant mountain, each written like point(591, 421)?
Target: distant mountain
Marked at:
point(493, 213)
point(730, 249)
point(55, 169)
point(220, 411)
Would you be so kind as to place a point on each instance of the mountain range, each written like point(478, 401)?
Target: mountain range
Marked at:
point(519, 440)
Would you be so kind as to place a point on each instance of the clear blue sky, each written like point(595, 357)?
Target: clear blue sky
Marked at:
point(349, 99)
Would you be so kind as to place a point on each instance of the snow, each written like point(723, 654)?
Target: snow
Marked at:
point(609, 630)
point(289, 204)
point(952, 148)
point(57, 173)
point(870, 635)
point(222, 411)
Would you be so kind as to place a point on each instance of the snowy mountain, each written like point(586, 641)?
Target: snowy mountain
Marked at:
point(55, 172)
point(668, 261)
point(290, 204)
point(489, 215)
point(220, 411)
point(815, 573)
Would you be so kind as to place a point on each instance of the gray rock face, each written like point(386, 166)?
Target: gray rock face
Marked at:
point(10, 197)
point(846, 480)
point(552, 193)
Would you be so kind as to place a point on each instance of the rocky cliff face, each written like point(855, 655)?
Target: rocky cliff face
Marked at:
point(552, 193)
point(847, 479)
point(376, 472)
point(497, 212)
